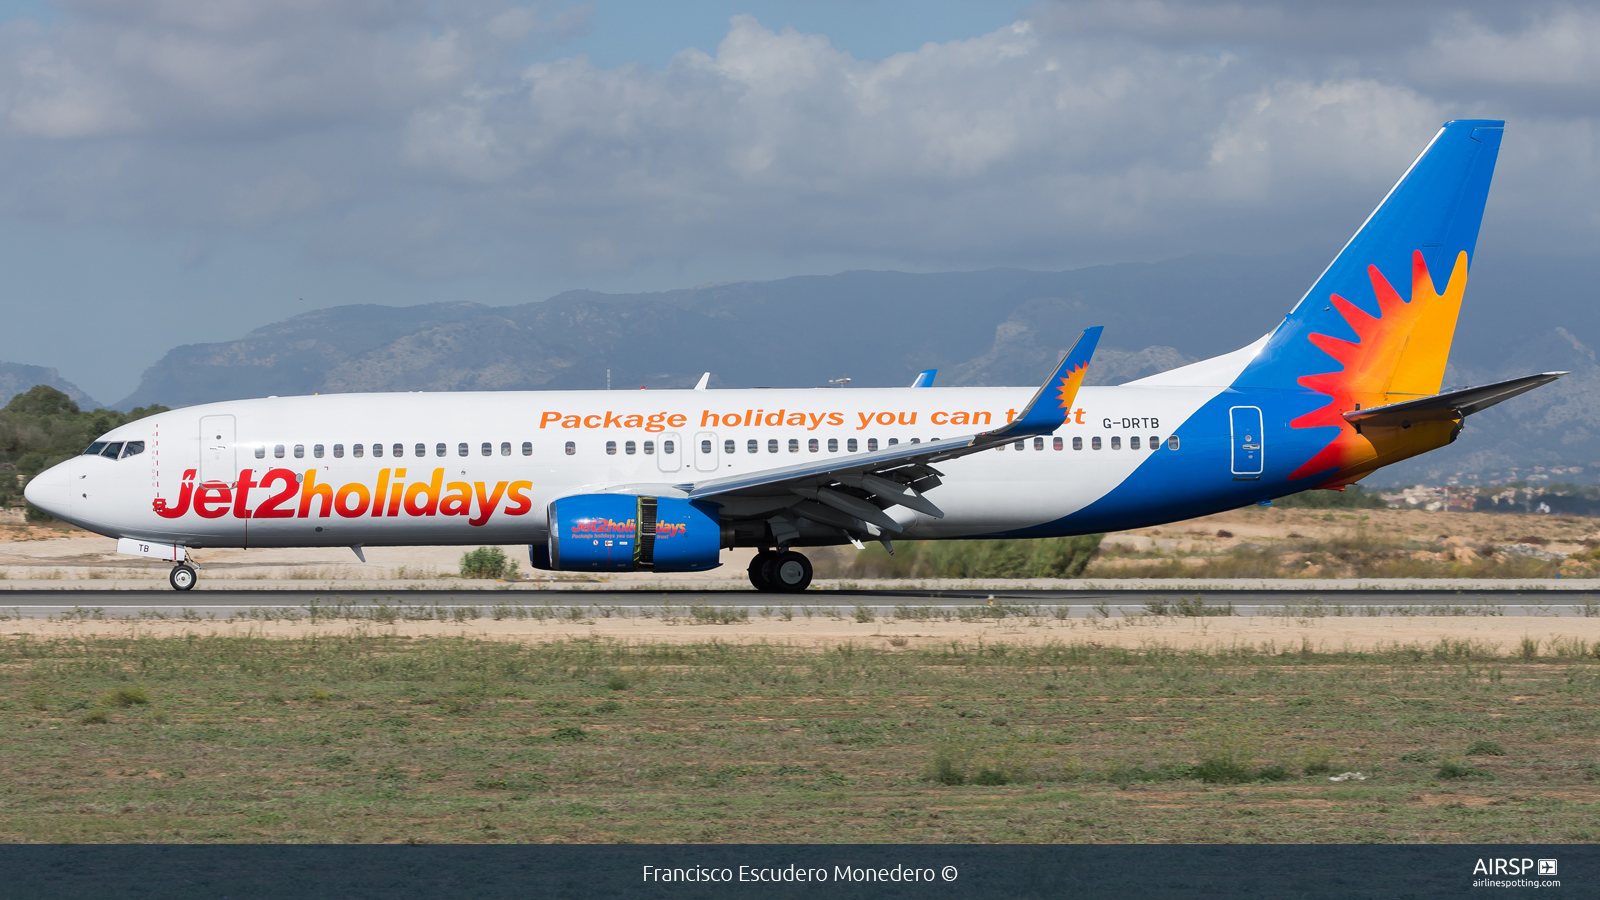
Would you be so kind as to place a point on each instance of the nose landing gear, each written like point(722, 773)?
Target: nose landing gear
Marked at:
point(183, 577)
point(782, 571)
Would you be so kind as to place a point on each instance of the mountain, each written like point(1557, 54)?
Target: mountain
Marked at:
point(17, 377)
point(997, 326)
point(878, 328)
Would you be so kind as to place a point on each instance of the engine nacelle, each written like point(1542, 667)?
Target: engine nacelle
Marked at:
point(625, 533)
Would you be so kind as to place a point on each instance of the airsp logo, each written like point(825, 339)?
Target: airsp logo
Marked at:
point(1498, 866)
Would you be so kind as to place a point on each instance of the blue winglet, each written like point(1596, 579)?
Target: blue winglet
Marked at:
point(925, 378)
point(1049, 408)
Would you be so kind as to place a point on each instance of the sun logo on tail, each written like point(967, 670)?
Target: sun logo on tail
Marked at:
point(1399, 354)
point(1067, 390)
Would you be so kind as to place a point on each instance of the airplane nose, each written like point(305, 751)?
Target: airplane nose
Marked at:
point(51, 490)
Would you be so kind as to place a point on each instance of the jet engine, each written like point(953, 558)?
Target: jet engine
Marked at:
point(625, 533)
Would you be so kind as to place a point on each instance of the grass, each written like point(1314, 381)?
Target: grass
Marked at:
point(371, 737)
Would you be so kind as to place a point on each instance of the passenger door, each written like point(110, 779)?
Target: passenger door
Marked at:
point(1248, 443)
point(705, 451)
point(670, 457)
point(217, 461)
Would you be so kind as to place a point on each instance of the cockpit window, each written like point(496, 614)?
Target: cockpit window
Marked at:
point(111, 450)
point(132, 448)
point(95, 448)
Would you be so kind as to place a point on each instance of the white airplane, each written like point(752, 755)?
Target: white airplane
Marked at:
point(664, 480)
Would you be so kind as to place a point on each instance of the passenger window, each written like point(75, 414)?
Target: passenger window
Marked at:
point(772, 445)
point(833, 445)
point(439, 450)
point(1155, 442)
point(505, 448)
point(812, 445)
point(571, 448)
point(1172, 442)
point(487, 449)
point(299, 451)
point(399, 450)
point(113, 450)
point(261, 450)
point(338, 451)
point(851, 445)
point(95, 448)
point(872, 444)
point(794, 446)
point(727, 447)
point(461, 449)
point(527, 448)
point(1038, 443)
point(356, 450)
point(1077, 443)
point(705, 447)
point(377, 449)
point(893, 441)
point(630, 448)
point(1094, 443)
point(753, 446)
point(277, 452)
point(133, 448)
point(1133, 442)
point(611, 448)
point(419, 450)
point(1058, 444)
point(316, 450)
point(1116, 443)
point(649, 448)
point(916, 440)
point(669, 448)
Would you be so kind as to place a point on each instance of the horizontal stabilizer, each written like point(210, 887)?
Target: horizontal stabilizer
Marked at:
point(1451, 405)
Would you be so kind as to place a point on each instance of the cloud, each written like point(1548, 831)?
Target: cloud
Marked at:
point(414, 137)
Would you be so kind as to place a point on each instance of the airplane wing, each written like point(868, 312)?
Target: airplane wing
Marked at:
point(851, 492)
point(1450, 405)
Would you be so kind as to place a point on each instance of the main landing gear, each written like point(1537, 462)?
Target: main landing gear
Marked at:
point(183, 577)
point(783, 571)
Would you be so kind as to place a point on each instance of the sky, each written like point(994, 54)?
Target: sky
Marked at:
point(181, 171)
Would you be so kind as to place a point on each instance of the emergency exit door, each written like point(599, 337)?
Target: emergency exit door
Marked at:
point(217, 461)
point(1248, 443)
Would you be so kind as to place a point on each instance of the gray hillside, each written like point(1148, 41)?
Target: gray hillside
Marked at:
point(998, 326)
point(16, 378)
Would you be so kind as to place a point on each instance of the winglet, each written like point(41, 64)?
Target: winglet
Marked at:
point(704, 380)
point(925, 378)
point(1049, 407)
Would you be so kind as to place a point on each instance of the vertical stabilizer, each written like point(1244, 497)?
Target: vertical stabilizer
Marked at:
point(1379, 321)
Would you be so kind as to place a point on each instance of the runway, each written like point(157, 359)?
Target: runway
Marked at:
point(222, 603)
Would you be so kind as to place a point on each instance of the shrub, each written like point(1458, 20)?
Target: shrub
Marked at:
point(1352, 497)
point(1318, 761)
point(1064, 557)
point(991, 777)
point(1452, 769)
point(569, 734)
point(488, 562)
point(619, 682)
point(1485, 748)
point(125, 697)
point(95, 717)
point(948, 767)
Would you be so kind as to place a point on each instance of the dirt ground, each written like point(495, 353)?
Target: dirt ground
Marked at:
point(829, 628)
